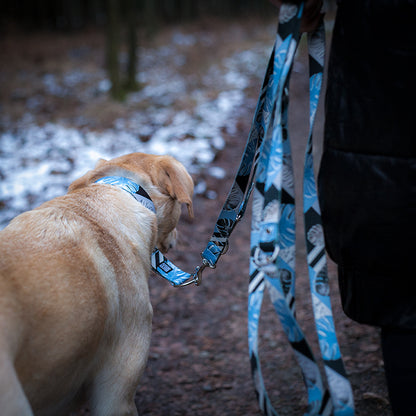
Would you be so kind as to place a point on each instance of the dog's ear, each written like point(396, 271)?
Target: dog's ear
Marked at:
point(89, 177)
point(100, 163)
point(177, 182)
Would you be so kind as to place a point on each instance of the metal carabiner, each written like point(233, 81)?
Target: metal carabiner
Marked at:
point(196, 277)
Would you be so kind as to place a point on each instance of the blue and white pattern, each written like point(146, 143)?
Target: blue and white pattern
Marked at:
point(339, 386)
point(237, 200)
point(135, 190)
point(168, 270)
point(272, 262)
point(266, 171)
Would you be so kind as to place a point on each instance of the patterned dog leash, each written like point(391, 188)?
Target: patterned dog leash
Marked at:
point(235, 204)
point(266, 167)
point(272, 262)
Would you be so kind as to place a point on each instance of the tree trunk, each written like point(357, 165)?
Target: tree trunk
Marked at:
point(113, 46)
point(131, 83)
point(149, 18)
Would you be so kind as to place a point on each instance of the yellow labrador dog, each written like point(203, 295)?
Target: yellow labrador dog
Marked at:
point(75, 313)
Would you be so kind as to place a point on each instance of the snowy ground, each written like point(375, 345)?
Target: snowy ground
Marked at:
point(179, 114)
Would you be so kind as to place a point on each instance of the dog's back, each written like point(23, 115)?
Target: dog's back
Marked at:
point(60, 298)
point(75, 312)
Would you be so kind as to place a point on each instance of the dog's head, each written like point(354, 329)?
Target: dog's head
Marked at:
point(163, 177)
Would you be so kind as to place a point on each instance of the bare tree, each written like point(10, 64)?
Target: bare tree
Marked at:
point(113, 47)
point(131, 17)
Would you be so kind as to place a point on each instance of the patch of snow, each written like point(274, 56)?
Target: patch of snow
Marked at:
point(211, 194)
point(200, 188)
point(52, 86)
point(104, 85)
point(38, 163)
point(217, 172)
point(179, 38)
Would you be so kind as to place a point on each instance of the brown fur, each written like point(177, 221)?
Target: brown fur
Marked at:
point(75, 313)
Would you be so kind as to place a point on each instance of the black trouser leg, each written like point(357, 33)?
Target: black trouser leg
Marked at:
point(399, 353)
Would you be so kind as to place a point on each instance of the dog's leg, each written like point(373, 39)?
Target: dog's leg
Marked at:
point(13, 401)
point(114, 385)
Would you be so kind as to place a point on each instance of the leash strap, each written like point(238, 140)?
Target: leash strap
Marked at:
point(169, 271)
point(266, 168)
point(236, 203)
point(339, 386)
point(272, 261)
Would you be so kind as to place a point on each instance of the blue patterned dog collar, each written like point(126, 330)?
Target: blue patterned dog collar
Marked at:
point(135, 190)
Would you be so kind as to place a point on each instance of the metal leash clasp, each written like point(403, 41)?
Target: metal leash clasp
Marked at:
point(196, 277)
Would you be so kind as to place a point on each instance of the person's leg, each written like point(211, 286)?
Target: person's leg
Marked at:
point(399, 353)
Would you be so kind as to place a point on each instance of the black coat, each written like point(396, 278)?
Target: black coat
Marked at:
point(367, 179)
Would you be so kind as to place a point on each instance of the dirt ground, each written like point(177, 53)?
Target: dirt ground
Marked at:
point(198, 363)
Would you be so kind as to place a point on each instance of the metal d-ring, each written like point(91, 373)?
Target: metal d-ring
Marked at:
point(267, 258)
